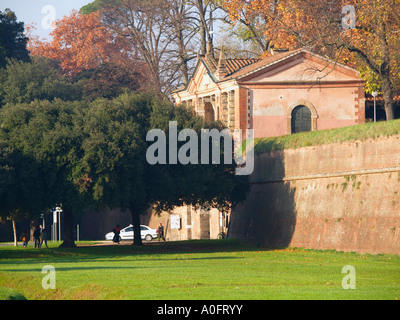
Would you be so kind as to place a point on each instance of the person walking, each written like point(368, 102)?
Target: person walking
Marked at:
point(36, 237)
point(160, 232)
point(116, 231)
point(25, 238)
point(43, 237)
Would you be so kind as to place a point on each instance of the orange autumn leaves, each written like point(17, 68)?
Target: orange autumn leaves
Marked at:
point(295, 23)
point(279, 20)
point(80, 42)
point(372, 47)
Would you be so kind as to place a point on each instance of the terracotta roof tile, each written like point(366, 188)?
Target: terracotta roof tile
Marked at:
point(380, 98)
point(261, 63)
point(234, 65)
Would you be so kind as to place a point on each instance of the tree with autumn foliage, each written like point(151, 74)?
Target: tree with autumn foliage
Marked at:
point(268, 24)
point(152, 28)
point(167, 34)
point(100, 62)
point(372, 47)
point(79, 42)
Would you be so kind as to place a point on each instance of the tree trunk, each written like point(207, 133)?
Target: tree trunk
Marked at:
point(68, 230)
point(15, 233)
point(32, 226)
point(137, 239)
point(388, 94)
point(202, 26)
point(183, 58)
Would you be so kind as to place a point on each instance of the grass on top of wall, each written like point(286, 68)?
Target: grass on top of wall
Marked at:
point(305, 139)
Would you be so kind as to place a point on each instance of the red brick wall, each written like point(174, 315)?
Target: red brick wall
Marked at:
point(343, 196)
point(360, 105)
point(243, 108)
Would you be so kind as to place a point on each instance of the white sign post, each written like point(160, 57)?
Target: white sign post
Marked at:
point(57, 221)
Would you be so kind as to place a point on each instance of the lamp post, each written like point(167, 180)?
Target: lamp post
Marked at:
point(54, 226)
point(374, 94)
point(59, 211)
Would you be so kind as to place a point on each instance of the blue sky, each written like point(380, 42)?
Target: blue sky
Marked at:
point(41, 12)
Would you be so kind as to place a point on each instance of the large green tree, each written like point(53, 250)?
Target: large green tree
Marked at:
point(12, 38)
point(49, 134)
point(95, 154)
point(23, 82)
point(119, 174)
point(22, 183)
point(109, 81)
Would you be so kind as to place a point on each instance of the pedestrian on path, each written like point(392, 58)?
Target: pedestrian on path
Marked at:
point(25, 238)
point(116, 231)
point(36, 237)
point(160, 232)
point(43, 237)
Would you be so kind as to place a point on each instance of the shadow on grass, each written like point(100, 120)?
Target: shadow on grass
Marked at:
point(103, 267)
point(10, 294)
point(108, 252)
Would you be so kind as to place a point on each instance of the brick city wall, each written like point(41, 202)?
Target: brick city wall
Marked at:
point(343, 196)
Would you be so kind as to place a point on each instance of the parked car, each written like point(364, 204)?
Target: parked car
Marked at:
point(126, 233)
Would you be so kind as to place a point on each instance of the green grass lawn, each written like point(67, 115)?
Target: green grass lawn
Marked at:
point(191, 270)
point(351, 133)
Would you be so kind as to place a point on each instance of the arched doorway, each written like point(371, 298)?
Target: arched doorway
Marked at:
point(369, 112)
point(301, 119)
point(209, 115)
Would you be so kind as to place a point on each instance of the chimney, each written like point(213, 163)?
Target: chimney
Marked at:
point(210, 53)
point(209, 58)
point(274, 51)
point(222, 71)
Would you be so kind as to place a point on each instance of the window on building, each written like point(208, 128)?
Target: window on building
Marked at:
point(301, 119)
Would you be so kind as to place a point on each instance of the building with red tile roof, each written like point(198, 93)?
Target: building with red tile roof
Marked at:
point(284, 93)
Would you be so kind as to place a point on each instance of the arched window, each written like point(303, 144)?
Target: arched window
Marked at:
point(209, 115)
point(301, 119)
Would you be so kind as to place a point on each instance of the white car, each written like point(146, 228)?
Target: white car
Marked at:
point(126, 233)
